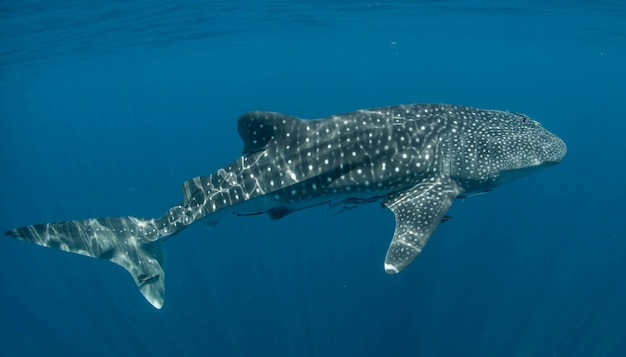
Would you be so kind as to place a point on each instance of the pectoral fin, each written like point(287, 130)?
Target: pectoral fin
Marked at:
point(418, 211)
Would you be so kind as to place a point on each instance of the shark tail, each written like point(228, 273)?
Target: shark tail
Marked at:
point(133, 243)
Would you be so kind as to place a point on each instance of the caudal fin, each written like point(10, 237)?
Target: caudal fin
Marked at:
point(130, 242)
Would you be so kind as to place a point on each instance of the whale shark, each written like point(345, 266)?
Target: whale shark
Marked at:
point(414, 159)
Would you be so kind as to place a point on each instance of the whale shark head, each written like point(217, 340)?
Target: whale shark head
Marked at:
point(496, 147)
point(528, 148)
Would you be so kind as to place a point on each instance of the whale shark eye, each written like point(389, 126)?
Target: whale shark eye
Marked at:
point(525, 119)
point(522, 117)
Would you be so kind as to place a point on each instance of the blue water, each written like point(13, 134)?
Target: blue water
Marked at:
point(107, 107)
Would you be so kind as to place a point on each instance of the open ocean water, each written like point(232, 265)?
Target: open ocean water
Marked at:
point(106, 107)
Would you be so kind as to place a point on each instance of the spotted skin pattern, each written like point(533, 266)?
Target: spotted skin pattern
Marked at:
point(415, 159)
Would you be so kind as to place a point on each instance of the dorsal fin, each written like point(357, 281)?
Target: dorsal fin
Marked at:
point(256, 129)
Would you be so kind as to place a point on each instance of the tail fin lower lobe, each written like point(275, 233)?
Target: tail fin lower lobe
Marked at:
point(133, 243)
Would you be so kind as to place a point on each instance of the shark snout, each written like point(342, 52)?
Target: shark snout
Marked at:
point(554, 150)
